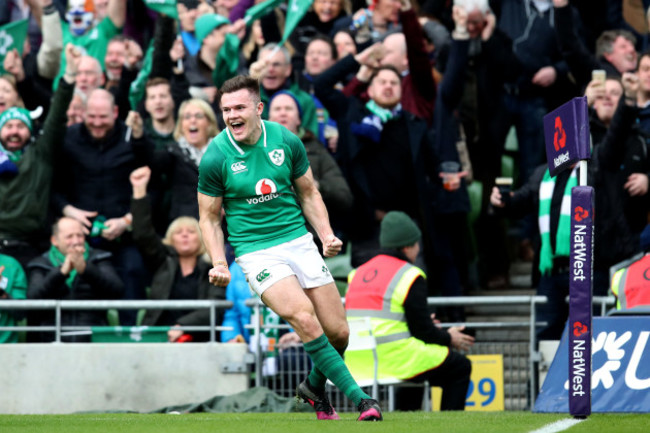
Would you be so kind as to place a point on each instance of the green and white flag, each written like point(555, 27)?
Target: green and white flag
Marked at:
point(136, 91)
point(259, 10)
point(167, 7)
point(12, 36)
point(296, 9)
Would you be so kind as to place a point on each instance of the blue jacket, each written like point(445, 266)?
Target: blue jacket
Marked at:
point(239, 315)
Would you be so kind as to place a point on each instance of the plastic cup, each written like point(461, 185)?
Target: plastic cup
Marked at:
point(449, 170)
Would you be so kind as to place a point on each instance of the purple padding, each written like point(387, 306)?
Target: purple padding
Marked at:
point(580, 294)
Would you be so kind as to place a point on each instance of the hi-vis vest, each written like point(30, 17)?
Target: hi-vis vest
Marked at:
point(378, 290)
point(635, 281)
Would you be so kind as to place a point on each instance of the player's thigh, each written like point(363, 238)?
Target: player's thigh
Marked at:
point(287, 298)
point(329, 310)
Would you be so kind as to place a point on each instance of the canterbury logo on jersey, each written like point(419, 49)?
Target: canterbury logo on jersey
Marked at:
point(238, 167)
point(266, 190)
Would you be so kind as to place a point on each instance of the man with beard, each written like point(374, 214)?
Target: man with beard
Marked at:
point(97, 191)
point(26, 169)
point(387, 155)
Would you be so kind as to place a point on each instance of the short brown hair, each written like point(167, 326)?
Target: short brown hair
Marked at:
point(156, 81)
point(384, 68)
point(241, 82)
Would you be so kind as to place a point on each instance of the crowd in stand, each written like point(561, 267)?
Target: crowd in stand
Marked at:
point(402, 105)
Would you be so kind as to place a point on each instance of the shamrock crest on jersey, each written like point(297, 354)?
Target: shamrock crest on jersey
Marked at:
point(277, 156)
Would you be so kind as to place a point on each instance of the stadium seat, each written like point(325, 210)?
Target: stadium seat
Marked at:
point(363, 339)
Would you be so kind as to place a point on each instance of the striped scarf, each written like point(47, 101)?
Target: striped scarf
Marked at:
point(562, 241)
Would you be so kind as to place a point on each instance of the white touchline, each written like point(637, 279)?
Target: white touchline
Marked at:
point(558, 426)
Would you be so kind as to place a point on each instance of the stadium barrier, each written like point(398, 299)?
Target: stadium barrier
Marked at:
point(520, 358)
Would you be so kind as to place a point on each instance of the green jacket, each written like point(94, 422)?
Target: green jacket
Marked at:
point(16, 288)
point(24, 198)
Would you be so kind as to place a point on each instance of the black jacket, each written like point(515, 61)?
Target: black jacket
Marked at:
point(163, 263)
point(93, 175)
point(98, 282)
point(357, 156)
point(183, 179)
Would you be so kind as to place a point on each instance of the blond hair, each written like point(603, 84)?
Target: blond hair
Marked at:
point(180, 222)
point(213, 128)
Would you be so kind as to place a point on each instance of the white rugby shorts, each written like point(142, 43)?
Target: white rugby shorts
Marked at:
point(298, 257)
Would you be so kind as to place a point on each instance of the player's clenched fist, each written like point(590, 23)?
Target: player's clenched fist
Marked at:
point(219, 276)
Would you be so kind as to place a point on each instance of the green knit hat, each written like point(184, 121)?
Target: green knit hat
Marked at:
point(16, 113)
point(206, 23)
point(398, 230)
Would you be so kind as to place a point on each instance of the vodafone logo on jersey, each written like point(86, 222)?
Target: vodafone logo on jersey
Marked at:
point(266, 190)
point(265, 186)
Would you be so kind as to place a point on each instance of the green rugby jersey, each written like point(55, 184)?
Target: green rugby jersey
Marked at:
point(255, 182)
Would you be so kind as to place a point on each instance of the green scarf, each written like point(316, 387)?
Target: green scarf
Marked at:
point(562, 237)
point(13, 156)
point(383, 113)
point(57, 258)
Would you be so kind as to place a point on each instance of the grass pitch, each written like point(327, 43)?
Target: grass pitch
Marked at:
point(411, 422)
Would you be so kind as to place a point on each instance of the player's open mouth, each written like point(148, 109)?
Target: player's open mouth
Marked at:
point(237, 126)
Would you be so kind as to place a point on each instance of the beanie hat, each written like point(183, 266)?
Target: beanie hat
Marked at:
point(291, 95)
point(21, 114)
point(398, 230)
point(206, 23)
point(437, 34)
point(190, 4)
point(644, 239)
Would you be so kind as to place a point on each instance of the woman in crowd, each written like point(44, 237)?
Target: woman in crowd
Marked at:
point(9, 96)
point(195, 127)
point(176, 263)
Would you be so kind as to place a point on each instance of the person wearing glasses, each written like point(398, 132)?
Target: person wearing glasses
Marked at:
point(195, 127)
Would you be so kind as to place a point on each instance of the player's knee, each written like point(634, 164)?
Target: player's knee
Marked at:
point(307, 323)
point(340, 337)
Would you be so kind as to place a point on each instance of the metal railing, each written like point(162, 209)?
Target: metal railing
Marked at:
point(59, 305)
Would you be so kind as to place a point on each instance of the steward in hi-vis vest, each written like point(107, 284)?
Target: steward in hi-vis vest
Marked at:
point(631, 285)
point(631, 278)
point(392, 292)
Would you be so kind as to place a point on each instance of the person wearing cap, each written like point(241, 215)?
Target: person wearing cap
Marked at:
point(26, 169)
point(393, 293)
point(630, 281)
point(216, 59)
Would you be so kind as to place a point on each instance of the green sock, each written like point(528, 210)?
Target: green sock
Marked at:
point(329, 362)
point(316, 378)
